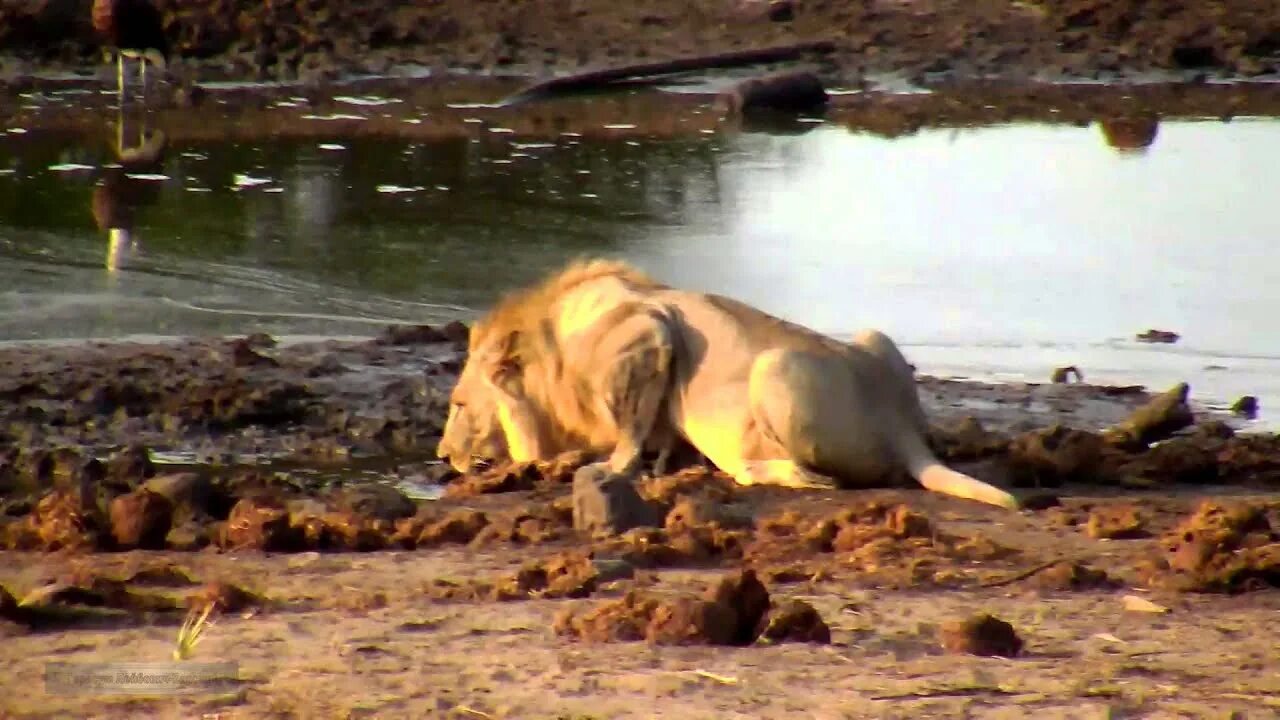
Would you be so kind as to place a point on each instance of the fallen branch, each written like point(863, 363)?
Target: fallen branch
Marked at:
point(593, 79)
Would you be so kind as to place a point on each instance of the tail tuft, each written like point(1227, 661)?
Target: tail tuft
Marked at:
point(940, 478)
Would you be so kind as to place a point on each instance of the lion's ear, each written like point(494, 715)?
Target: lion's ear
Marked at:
point(506, 356)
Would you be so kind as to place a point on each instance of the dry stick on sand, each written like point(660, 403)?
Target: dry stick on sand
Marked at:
point(1034, 570)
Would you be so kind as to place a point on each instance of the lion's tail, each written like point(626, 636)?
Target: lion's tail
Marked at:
point(933, 475)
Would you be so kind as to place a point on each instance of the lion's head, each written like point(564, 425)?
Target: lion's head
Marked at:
point(473, 434)
point(514, 350)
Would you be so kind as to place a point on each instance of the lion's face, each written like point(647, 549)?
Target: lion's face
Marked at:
point(472, 433)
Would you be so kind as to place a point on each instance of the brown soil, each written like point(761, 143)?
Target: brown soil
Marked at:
point(340, 595)
point(312, 39)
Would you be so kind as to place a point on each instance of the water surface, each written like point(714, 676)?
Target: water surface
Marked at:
point(996, 252)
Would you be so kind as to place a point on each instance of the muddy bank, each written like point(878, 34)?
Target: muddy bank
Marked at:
point(313, 39)
point(312, 565)
point(91, 438)
point(425, 111)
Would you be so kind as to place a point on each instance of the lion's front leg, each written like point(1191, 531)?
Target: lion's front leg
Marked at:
point(520, 424)
point(631, 356)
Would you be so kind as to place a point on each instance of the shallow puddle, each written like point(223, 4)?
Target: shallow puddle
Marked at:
point(994, 252)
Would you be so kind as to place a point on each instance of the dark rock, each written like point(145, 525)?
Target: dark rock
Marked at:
point(793, 91)
point(1246, 407)
point(141, 519)
point(261, 523)
point(608, 503)
point(375, 500)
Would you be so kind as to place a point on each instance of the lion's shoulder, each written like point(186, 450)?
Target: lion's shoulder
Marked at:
point(598, 280)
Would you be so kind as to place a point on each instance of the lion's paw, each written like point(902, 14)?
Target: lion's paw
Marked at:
point(784, 473)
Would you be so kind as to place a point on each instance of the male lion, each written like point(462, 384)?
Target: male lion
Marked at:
point(600, 357)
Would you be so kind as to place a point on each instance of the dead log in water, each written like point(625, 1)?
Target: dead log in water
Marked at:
point(596, 79)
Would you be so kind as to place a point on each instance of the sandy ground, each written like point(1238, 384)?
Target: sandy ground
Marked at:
point(313, 40)
point(486, 603)
point(132, 483)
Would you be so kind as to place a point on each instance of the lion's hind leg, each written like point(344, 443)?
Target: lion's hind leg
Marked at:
point(812, 422)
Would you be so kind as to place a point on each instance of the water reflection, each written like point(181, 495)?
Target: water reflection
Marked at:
point(127, 186)
point(1011, 249)
point(1131, 135)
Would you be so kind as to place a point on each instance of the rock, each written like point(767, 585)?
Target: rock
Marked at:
point(460, 526)
point(375, 500)
point(791, 91)
point(130, 467)
point(1160, 418)
point(141, 519)
point(980, 635)
point(261, 523)
point(697, 512)
point(8, 605)
point(1133, 135)
point(795, 621)
point(187, 491)
point(608, 503)
point(188, 536)
point(1246, 407)
point(457, 333)
point(780, 11)
point(243, 355)
point(1121, 522)
point(410, 335)
point(1063, 374)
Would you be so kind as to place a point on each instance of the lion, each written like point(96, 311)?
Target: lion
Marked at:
point(601, 357)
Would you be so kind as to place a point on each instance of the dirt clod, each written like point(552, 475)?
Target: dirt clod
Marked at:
point(980, 635)
point(795, 621)
point(1116, 522)
point(729, 613)
point(1056, 455)
point(1221, 547)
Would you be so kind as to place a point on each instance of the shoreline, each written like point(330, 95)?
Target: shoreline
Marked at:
point(940, 38)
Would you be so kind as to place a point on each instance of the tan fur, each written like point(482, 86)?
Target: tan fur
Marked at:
point(603, 358)
point(516, 369)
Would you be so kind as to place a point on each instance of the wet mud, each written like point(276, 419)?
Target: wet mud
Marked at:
point(268, 482)
point(314, 40)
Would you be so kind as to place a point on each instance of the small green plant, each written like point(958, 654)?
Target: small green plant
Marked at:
point(192, 631)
